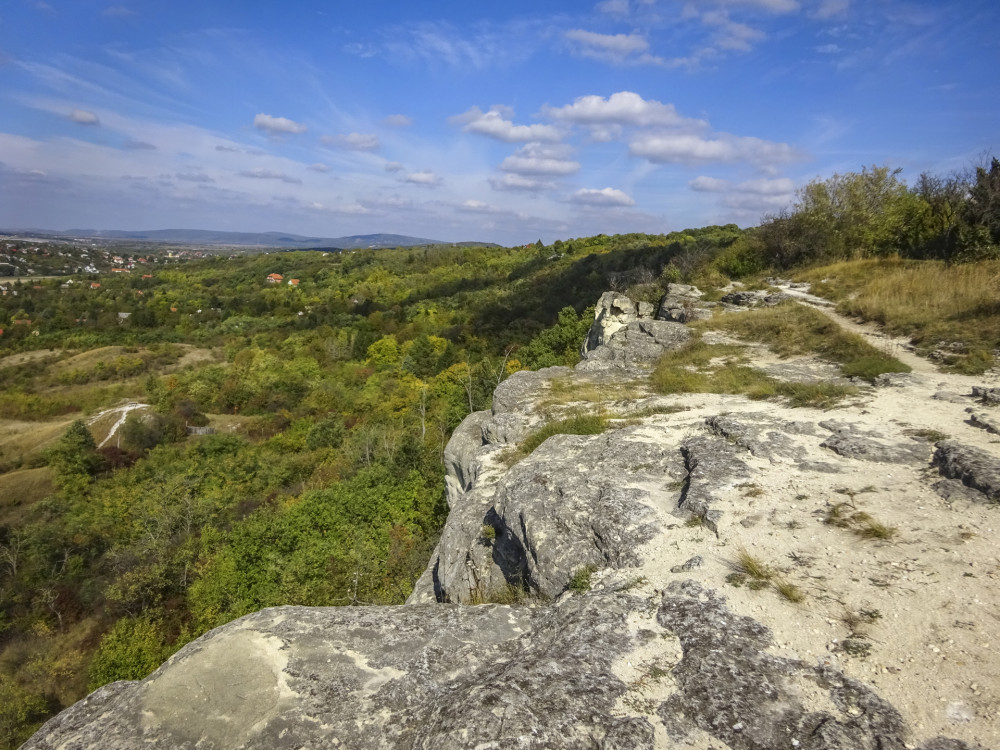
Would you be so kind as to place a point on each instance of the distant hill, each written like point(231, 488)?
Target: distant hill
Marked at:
point(254, 239)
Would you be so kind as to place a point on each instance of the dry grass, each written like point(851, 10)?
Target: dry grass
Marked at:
point(25, 442)
point(570, 390)
point(931, 302)
point(687, 370)
point(19, 490)
point(791, 329)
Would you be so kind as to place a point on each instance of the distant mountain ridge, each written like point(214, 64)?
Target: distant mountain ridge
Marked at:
point(252, 239)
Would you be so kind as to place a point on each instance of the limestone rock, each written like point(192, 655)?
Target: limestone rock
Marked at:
point(731, 688)
point(973, 467)
point(434, 677)
point(865, 445)
point(681, 304)
point(986, 421)
point(613, 312)
point(989, 396)
point(756, 298)
point(638, 345)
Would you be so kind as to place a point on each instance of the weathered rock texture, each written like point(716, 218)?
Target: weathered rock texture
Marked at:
point(653, 656)
point(621, 338)
point(428, 676)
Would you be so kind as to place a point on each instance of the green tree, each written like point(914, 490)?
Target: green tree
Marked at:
point(74, 458)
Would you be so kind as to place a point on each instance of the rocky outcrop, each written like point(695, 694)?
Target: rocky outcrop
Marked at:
point(755, 298)
point(868, 445)
point(623, 336)
point(436, 677)
point(682, 304)
point(974, 468)
point(649, 654)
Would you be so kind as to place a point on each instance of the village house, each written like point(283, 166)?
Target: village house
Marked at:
point(275, 278)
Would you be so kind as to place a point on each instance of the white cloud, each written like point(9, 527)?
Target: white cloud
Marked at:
point(269, 174)
point(520, 183)
point(541, 159)
point(318, 167)
point(682, 148)
point(134, 145)
point(394, 166)
point(774, 6)
point(832, 8)
point(398, 121)
point(494, 125)
point(828, 49)
point(624, 108)
point(83, 117)
point(277, 125)
point(732, 35)
point(616, 48)
point(614, 7)
point(708, 185)
point(423, 178)
point(354, 141)
point(479, 207)
point(194, 177)
point(604, 197)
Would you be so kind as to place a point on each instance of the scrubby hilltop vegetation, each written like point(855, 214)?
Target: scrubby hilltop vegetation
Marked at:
point(329, 401)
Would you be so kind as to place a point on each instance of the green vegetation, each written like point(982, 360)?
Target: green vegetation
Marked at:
point(713, 368)
point(581, 424)
point(580, 580)
point(790, 329)
point(332, 401)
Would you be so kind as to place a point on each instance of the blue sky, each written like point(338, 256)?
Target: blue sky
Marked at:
point(504, 122)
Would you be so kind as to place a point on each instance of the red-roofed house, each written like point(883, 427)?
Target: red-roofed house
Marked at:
point(293, 282)
point(275, 278)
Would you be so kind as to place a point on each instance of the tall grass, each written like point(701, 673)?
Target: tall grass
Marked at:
point(791, 329)
point(691, 370)
point(933, 303)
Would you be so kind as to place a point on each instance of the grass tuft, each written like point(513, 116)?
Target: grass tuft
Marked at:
point(580, 581)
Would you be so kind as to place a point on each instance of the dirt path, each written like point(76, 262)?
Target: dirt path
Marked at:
point(898, 347)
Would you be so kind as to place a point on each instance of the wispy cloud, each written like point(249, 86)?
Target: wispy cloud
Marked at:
point(318, 167)
point(604, 197)
point(614, 48)
point(398, 121)
point(268, 174)
point(520, 183)
point(423, 178)
point(84, 117)
point(277, 125)
point(495, 125)
point(723, 148)
point(134, 145)
point(353, 141)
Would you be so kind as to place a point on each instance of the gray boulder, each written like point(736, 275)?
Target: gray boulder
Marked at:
point(433, 677)
point(973, 467)
point(636, 346)
point(852, 442)
point(682, 304)
point(612, 313)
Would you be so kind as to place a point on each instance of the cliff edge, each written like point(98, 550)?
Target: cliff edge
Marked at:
point(707, 572)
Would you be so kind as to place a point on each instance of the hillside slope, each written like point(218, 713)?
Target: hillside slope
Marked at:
point(707, 571)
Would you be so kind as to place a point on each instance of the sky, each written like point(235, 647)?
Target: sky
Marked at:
point(501, 122)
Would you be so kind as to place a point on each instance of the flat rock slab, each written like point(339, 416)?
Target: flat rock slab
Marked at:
point(430, 677)
point(973, 467)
